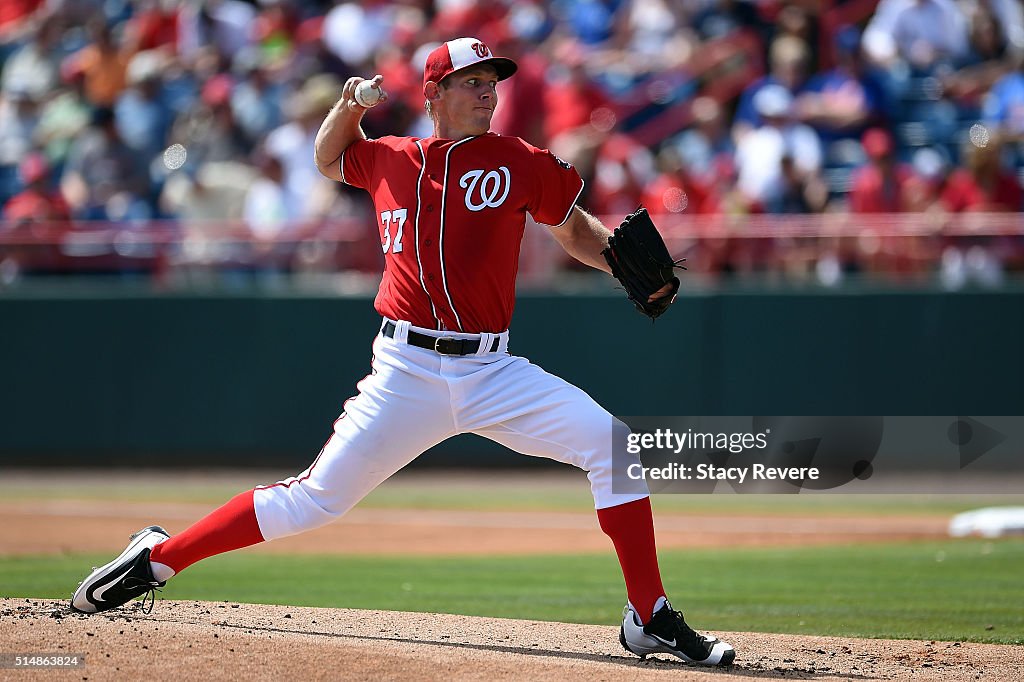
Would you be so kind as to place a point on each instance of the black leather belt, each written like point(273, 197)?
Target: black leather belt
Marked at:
point(445, 345)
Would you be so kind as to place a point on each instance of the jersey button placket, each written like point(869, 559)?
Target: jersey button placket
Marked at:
point(430, 241)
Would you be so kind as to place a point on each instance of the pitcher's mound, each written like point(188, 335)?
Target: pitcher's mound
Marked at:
point(204, 641)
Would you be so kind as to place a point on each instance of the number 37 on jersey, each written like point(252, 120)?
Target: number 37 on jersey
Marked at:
point(394, 226)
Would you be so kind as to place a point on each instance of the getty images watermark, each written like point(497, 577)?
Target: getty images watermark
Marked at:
point(804, 454)
point(676, 443)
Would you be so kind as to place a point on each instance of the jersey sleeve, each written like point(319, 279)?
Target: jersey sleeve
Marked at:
point(557, 188)
point(358, 161)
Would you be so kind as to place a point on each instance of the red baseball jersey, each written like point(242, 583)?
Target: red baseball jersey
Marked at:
point(451, 215)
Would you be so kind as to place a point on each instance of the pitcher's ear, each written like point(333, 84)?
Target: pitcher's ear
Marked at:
point(431, 90)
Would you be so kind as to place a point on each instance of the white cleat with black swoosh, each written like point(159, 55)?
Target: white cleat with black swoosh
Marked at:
point(667, 632)
point(123, 579)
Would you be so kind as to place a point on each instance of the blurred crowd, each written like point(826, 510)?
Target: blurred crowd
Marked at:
point(201, 114)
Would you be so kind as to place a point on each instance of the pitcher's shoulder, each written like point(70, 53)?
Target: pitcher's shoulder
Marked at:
point(512, 146)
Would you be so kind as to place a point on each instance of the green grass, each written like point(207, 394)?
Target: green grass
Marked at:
point(483, 490)
point(968, 590)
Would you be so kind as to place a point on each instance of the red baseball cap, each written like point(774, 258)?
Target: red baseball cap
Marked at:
point(877, 143)
point(461, 53)
point(33, 167)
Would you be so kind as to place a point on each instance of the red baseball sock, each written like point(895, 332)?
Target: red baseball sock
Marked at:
point(631, 528)
point(232, 526)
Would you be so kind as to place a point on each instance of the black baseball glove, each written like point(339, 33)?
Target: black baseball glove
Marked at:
point(641, 262)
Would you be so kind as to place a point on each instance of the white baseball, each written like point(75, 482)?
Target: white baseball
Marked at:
point(367, 95)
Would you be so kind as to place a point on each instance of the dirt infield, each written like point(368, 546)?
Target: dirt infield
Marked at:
point(48, 527)
point(439, 513)
point(211, 641)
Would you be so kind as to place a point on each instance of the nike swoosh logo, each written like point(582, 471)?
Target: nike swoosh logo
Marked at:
point(665, 641)
point(98, 594)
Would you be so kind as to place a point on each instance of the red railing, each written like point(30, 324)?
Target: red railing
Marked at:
point(873, 243)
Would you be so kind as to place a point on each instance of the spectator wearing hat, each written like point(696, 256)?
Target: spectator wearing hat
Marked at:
point(789, 64)
point(776, 154)
point(883, 185)
point(38, 202)
point(38, 215)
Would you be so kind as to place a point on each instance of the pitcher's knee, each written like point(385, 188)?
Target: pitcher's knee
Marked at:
point(605, 445)
point(607, 464)
point(289, 508)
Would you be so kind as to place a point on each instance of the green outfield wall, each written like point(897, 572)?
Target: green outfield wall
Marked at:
point(222, 379)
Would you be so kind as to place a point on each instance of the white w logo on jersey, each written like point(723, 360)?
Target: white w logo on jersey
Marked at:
point(493, 188)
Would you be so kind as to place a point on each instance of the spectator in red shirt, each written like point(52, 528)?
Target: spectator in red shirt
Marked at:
point(570, 96)
point(37, 202)
point(623, 169)
point(883, 185)
point(675, 190)
point(37, 215)
point(984, 184)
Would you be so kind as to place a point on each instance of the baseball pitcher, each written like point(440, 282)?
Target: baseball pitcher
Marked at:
point(451, 211)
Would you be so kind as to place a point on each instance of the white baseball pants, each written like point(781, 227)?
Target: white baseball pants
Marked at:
point(415, 398)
